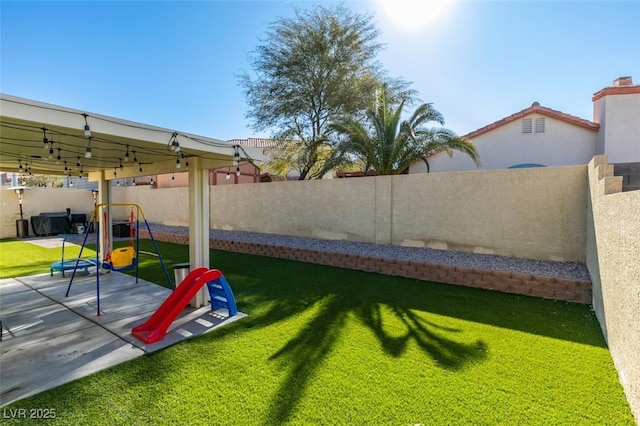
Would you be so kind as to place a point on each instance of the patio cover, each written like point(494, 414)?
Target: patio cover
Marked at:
point(25, 123)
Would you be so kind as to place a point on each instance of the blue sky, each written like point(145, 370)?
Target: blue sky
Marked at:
point(175, 64)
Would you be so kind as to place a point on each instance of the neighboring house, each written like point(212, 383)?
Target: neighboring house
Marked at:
point(541, 136)
point(255, 142)
point(267, 146)
point(244, 172)
point(536, 135)
point(264, 145)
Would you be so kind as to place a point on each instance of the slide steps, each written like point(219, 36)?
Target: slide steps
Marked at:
point(155, 328)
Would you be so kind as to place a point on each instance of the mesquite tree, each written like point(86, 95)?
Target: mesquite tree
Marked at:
point(309, 71)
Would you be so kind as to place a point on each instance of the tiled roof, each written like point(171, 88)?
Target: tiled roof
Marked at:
point(538, 109)
point(254, 142)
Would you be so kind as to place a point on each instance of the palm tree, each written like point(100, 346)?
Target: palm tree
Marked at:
point(386, 145)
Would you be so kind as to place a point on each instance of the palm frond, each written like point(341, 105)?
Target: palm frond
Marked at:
point(389, 145)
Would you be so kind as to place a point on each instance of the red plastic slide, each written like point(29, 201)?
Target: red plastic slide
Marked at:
point(156, 327)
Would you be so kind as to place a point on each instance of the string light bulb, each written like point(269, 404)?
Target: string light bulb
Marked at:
point(45, 141)
point(87, 152)
point(126, 155)
point(178, 164)
point(238, 171)
point(174, 145)
point(135, 159)
point(58, 158)
point(20, 166)
point(236, 155)
point(87, 129)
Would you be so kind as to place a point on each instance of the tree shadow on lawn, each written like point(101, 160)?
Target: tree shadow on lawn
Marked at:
point(304, 354)
point(262, 281)
point(429, 336)
point(330, 303)
point(273, 290)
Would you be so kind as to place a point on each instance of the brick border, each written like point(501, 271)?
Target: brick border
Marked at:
point(509, 282)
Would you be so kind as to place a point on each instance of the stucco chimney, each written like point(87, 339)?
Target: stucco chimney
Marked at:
point(622, 81)
point(616, 109)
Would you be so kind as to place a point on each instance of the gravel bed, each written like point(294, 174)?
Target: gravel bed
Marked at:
point(569, 270)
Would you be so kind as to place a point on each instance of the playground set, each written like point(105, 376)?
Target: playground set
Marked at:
point(126, 258)
point(68, 265)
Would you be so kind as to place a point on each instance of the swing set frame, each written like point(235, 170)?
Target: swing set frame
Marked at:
point(105, 262)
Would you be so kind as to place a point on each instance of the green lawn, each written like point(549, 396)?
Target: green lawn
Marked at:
point(324, 345)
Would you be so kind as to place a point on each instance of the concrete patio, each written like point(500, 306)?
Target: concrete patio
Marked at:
point(49, 339)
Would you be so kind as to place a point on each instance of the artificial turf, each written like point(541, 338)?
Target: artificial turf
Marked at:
point(323, 345)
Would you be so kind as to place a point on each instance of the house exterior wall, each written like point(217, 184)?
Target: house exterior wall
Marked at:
point(619, 135)
point(249, 173)
point(613, 244)
point(561, 144)
point(172, 180)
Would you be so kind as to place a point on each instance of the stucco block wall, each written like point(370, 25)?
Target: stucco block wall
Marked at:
point(531, 213)
point(40, 200)
point(613, 259)
point(166, 206)
point(342, 209)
